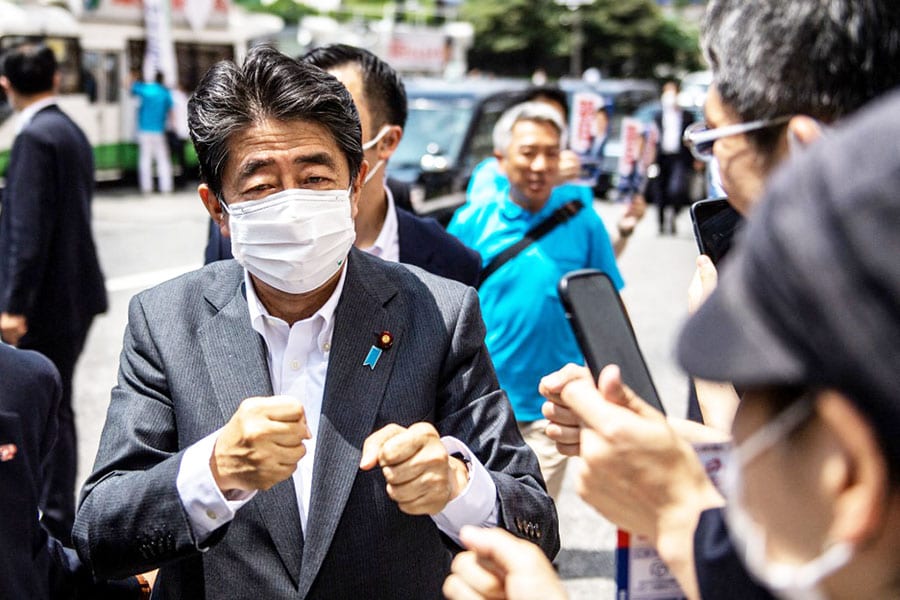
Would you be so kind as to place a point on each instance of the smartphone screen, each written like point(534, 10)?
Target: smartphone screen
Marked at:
point(604, 331)
point(715, 223)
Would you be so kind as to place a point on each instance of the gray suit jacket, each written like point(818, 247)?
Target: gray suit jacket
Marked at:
point(191, 356)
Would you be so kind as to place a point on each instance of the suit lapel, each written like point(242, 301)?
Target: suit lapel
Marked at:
point(236, 358)
point(353, 395)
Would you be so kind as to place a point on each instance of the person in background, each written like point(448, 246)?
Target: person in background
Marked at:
point(51, 284)
point(488, 180)
point(527, 332)
point(153, 115)
point(669, 190)
point(36, 565)
point(382, 228)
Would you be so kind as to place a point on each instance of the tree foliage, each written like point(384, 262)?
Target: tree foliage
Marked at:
point(622, 38)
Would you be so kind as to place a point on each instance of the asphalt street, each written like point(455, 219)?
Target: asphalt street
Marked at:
point(143, 240)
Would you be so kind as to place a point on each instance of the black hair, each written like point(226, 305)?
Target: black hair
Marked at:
point(30, 68)
point(268, 85)
point(382, 86)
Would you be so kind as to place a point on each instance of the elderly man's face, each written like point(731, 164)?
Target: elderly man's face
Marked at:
point(531, 163)
point(273, 155)
point(740, 164)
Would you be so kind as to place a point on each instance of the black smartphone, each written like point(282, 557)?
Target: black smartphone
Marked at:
point(715, 223)
point(603, 330)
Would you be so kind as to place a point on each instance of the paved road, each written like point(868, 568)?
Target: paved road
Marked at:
point(145, 240)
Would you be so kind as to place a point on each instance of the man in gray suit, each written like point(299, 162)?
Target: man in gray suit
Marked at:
point(254, 404)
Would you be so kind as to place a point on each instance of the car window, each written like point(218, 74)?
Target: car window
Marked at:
point(482, 144)
point(435, 126)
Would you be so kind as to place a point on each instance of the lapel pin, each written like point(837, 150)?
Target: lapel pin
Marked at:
point(384, 342)
point(8, 452)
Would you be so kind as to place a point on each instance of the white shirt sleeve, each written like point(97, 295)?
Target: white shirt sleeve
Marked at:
point(206, 506)
point(477, 504)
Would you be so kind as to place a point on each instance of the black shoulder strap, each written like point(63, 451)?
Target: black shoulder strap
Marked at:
point(559, 216)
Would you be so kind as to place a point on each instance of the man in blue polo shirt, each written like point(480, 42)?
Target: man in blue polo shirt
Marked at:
point(527, 333)
point(153, 113)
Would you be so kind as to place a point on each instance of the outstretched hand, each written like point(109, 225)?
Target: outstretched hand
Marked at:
point(499, 565)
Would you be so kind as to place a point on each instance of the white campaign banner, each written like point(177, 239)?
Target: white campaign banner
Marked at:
point(159, 55)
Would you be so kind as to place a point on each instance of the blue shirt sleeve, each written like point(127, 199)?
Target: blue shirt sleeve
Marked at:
point(601, 255)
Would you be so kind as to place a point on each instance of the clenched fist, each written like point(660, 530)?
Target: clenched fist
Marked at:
point(261, 444)
point(421, 477)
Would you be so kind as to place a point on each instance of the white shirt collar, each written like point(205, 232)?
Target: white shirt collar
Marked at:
point(32, 109)
point(259, 313)
point(387, 244)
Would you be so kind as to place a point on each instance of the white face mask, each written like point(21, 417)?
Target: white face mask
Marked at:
point(787, 581)
point(371, 144)
point(294, 240)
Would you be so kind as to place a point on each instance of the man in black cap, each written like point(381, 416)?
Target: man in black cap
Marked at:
point(806, 319)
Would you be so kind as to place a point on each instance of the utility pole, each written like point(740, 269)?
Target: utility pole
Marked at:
point(577, 33)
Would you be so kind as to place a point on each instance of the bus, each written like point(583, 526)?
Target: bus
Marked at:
point(98, 50)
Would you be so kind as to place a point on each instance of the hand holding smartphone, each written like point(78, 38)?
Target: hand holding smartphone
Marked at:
point(715, 223)
point(604, 332)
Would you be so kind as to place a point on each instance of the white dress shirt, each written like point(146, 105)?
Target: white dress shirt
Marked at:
point(387, 244)
point(671, 130)
point(298, 365)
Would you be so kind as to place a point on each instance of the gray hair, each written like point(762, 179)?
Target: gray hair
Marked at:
point(269, 85)
point(526, 111)
point(822, 58)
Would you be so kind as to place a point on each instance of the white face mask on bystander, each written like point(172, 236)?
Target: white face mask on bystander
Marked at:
point(787, 581)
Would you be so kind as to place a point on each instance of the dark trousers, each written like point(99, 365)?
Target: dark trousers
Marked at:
point(672, 190)
point(58, 493)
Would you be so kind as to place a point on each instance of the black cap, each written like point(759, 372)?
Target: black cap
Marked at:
point(812, 293)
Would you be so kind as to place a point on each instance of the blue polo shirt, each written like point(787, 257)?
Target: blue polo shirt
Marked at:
point(156, 101)
point(527, 332)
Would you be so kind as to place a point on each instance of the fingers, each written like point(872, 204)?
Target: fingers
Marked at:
point(614, 390)
point(496, 547)
point(703, 283)
point(393, 444)
point(474, 577)
point(551, 385)
point(278, 408)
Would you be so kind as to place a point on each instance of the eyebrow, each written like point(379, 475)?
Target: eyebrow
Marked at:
point(318, 158)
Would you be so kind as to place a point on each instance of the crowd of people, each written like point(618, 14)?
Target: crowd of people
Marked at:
point(362, 404)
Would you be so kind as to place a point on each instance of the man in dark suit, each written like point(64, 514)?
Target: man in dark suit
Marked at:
point(383, 227)
point(51, 285)
point(35, 565)
point(670, 189)
point(255, 405)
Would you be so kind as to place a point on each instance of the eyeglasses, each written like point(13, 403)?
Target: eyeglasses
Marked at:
point(700, 138)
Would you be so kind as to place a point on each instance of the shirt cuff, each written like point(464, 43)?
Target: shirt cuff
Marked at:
point(206, 506)
point(477, 504)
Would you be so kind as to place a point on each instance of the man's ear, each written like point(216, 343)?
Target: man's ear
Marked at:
point(501, 161)
point(388, 144)
point(804, 130)
point(214, 208)
point(356, 188)
point(860, 486)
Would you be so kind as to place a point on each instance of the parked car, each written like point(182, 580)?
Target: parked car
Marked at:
point(448, 131)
